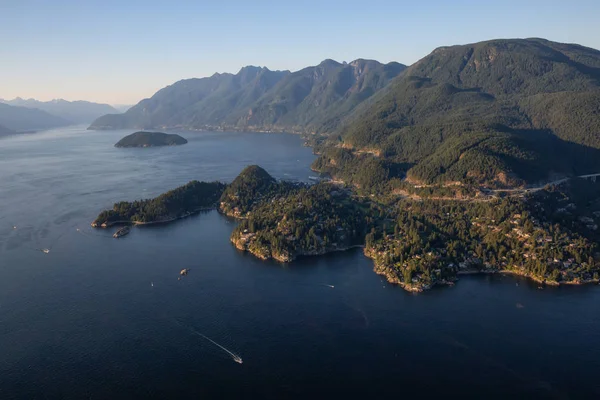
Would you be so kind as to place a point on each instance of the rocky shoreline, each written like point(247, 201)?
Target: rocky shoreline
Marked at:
point(547, 282)
point(417, 287)
point(165, 221)
point(264, 253)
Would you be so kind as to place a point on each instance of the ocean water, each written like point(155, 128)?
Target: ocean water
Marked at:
point(103, 318)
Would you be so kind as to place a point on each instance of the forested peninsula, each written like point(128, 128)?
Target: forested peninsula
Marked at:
point(550, 235)
point(174, 204)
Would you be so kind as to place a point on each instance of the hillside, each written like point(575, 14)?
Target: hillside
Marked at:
point(22, 119)
point(318, 98)
point(195, 103)
point(150, 139)
point(75, 111)
point(252, 183)
point(314, 98)
point(5, 131)
point(501, 113)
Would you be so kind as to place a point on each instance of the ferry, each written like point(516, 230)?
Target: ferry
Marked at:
point(121, 232)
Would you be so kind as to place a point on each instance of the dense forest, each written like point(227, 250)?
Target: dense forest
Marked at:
point(150, 139)
point(424, 237)
point(248, 187)
point(176, 203)
point(307, 221)
point(502, 113)
point(550, 236)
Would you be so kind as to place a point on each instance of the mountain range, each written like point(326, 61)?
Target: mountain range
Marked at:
point(76, 112)
point(22, 119)
point(502, 112)
point(256, 98)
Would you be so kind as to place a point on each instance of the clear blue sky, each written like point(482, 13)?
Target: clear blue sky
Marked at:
point(122, 51)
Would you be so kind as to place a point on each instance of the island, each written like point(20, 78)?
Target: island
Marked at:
point(151, 139)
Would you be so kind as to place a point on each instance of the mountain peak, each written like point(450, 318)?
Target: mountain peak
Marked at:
point(257, 98)
point(329, 63)
point(252, 68)
point(67, 111)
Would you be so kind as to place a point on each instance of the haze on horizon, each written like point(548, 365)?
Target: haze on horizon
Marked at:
point(110, 52)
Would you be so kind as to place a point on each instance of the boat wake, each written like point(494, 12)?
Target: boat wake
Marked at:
point(90, 234)
point(33, 235)
point(233, 356)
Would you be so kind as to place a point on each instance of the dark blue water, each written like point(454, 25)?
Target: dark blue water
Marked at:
point(84, 321)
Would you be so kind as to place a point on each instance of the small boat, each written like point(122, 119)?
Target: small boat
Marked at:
point(121, 232)
point(46, 251)
point(184, 271)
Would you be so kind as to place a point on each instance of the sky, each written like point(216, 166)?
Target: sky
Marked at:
point(119, 52)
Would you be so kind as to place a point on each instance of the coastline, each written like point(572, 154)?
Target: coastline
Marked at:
point(392, 278)
point(267, 254)
point(248, 129)
point(165, 221)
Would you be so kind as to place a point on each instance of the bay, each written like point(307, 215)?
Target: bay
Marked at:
point(104, 318)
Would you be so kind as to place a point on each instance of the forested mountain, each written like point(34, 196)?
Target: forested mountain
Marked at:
point(73, 111)
point(317, 98)
point(23, 119)
point(259, 99)
point(195, 103)
point(252, 183)
point(501, 112)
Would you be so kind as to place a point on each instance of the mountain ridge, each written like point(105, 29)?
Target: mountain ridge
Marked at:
point(500, 112)
point(257, 98)
point(79, 111)
point(23, 119)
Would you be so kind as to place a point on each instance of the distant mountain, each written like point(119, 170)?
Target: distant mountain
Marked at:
point(195, 103)
point(23, 119)
point(500, 112)
point(259, 99)
point(75, 111)
point(5, 131)
point(121, 108)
